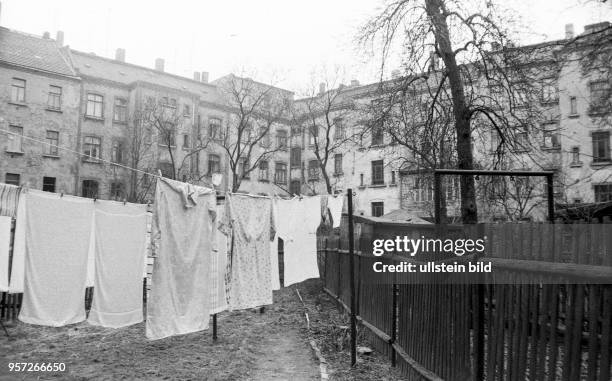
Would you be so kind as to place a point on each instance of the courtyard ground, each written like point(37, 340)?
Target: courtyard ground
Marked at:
point(250, 346)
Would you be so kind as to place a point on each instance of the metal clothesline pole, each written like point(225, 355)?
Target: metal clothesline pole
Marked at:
point(351, 239)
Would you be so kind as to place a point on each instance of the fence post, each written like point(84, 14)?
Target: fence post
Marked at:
point(352, 279)
point(393, 324)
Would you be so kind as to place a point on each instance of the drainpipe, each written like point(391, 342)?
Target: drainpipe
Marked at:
point(77, 174)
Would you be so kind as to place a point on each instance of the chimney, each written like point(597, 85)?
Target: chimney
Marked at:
point(354, 83)
point(196, 76)
point(321, 88)
point(59, 38)
point(120, 55)
point(569, 31)
point(433, 61)
point(159, 64)
point(46, 35)
point(204, 77)
point(395, 74)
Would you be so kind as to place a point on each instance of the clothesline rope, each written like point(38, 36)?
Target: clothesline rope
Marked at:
point(78, 153)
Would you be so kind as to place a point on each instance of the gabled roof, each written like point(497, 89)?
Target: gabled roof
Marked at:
point(33, 52)
point(91, 65)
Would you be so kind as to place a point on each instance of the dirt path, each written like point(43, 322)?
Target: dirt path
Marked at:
point(285, 356)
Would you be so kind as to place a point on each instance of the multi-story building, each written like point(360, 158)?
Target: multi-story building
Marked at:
point(124, 116)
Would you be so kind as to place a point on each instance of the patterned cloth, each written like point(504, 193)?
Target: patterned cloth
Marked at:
point(250, 221)
point(9, 199)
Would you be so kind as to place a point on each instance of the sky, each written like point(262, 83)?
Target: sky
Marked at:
point(286, 42)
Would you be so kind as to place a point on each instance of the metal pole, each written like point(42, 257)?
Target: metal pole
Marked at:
point(351, 238)
point(214, 326)
point(437, 204)
point(550, 198)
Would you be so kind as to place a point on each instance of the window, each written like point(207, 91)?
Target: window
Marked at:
point(313, 134)
point(120, 110)
point(118, 152)
point(295, 187)
point(573, 106)
point(522, 139)
point(424, 189)
point(95, 103)
point(92, 147)
point(54, 102)
point(339, 132)
point(576, 156)
point(243, 168)
point(361, 179)
point(117, 191)
point(12, 179)
point(338, 164)
point(52, 145)
point(378, 208)
point(264, 173)
point(187, 110)
point(599, 93)
point(296, 157)
point(495, 140)
point(48, 184)
point(280, 173)
point(264, 133)
point(166, 168)
point(603, 192)
point(186, 142)
point(214, 129)
point(377, 135)
point(281, 139)
point(89, 189)
point(550, 91)
point(378, 176)
point(167, 137)
point(551, 138)
point(18, 90)
point(577, 201)
point(214, 164)
point(313, 170)
point(601, 146)
point(393, 177)
point(15, 139)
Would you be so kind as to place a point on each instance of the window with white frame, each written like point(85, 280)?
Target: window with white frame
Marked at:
point(120, 110)
point(264, 172)
point(52, 139)
point(15, 141)
point(18, 90)
point(54, 101)
point(280, 173)
point(95, 105)
point(92, 146)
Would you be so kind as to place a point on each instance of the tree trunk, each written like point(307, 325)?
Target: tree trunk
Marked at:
point(469, 212)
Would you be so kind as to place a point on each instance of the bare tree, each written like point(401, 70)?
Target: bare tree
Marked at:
point(483, 79)
point(325, 118)
point(255, 109)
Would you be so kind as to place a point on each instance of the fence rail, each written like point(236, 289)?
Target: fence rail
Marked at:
point(509, 330)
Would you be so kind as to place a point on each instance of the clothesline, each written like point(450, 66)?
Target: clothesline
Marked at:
point(78, 153)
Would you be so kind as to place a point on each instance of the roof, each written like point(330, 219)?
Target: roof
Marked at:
point(26, 50)
point(91, 65)
point(401, 215)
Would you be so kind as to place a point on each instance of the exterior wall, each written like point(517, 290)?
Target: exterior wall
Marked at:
point(36, 119)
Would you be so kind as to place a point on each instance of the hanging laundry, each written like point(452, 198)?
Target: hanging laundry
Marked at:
point(5, 240)
point(335, 205)
point(218, 267)
point(275, 273)
point(300, 251)
point(184, 220)
point(9, 199)
point(57, 242)
point(251, 223)
point(120, 241)
point(19, 246)
point(91, 255)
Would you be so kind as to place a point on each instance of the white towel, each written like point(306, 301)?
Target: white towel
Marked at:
point(5, 240)
point(19, 243)
point(120, 240)
point(57, 243)
point(335, 205)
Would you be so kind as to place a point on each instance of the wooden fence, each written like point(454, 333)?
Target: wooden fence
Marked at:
point(523, 327)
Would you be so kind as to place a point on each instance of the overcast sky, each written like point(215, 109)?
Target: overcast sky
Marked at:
point(289, 40)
